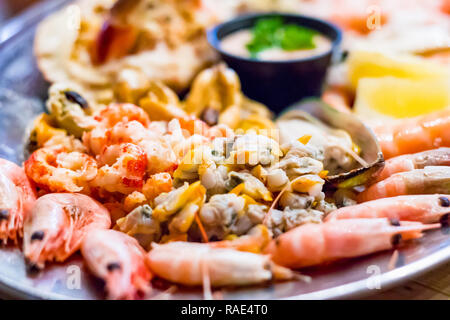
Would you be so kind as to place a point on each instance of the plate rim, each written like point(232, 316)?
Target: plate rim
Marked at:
point(351, 290)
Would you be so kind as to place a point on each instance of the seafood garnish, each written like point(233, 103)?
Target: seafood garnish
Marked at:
point(70, 110)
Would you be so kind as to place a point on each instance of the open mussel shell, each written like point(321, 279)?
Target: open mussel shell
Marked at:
point(316, 111)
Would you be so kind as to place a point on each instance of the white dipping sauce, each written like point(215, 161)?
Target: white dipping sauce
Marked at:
point(236, 42)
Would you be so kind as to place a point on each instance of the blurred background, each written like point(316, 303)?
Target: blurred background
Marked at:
point(10, 8)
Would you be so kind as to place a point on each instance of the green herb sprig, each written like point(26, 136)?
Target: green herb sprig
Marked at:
point(273, 33)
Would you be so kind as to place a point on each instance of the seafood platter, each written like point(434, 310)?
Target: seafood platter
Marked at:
point(235, 149)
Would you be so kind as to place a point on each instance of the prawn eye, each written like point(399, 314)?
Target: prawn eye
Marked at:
point(37, 235)
point(396, 238)
point(113, 266)
point(76, 98)
point(394, 222)
point(444, 202)
point(4, 214)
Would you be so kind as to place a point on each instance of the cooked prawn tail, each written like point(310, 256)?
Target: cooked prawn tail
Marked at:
point(280, 273)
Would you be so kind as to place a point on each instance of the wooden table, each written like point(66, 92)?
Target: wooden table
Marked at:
point(433, 285)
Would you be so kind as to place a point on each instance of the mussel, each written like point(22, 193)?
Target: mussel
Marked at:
point(331, 128)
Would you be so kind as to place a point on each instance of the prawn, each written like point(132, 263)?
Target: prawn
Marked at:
point(57, 224)
point(415, 134)
point(17, 196)
point(100, 137)
point(187, 263)
point(314, 244)
point(119, 260)
point(123, 167)
point(56, 170)
point(421, 208)
point(160, 156)
point(428, 180)
point(408, 162)
point(121, 112)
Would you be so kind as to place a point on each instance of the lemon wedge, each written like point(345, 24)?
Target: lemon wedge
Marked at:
point(391, 97)
point(368, 64)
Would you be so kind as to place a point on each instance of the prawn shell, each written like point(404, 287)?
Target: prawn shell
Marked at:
point(57, 224)
point(186, 263)
point(316, 111)
point(119, 260)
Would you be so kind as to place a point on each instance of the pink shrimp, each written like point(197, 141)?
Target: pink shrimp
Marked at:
point(421, 208)
point(55, 170)
point(314, 244)
point(119, 260)
point(187, 263)
point(414, 135)
point(428, 180)
point(122, 168)
point(121, 112)
point(100, 137)
point(17, 196)
point(160, 155)
point(57, 224)
point(408, 162)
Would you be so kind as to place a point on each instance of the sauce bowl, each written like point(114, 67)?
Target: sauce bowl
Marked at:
point(279, 83)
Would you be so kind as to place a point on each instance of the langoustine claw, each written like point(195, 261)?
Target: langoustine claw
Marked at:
point(313, 244)
point(17, 196)
point(119, 260)
point(421, 208)
point(57, 224)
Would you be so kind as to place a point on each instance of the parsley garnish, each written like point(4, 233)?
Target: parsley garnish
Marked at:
point(273, 33)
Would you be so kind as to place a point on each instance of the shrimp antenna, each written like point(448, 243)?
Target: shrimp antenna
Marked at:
point(206, 281)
